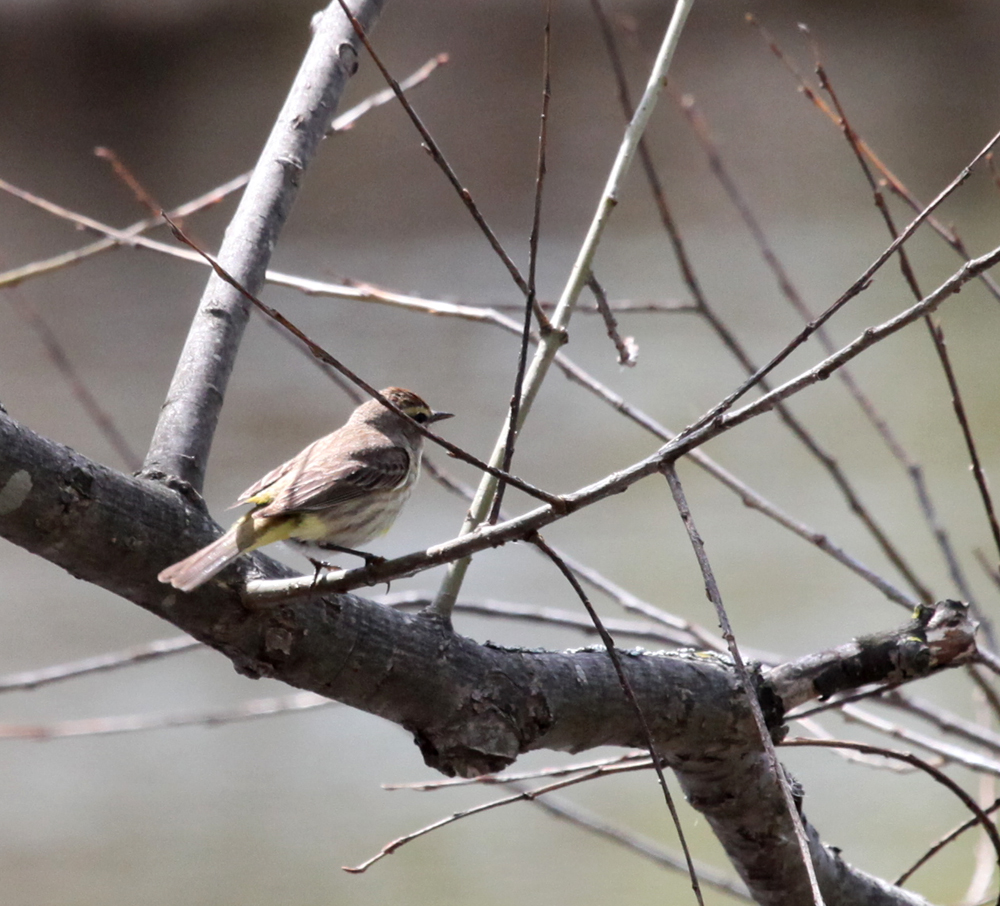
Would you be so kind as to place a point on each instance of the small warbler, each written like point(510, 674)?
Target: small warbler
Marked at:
point(340, 491)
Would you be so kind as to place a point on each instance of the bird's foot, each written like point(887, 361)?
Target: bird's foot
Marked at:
point(371, 562)
point(320, 567)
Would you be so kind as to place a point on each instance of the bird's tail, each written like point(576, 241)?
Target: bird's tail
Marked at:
point(197, 569)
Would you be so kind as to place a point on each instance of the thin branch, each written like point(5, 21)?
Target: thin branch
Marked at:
point(647, 734)
point(112, 238)
point(326, 357)
point(984, 868)
point(748, 495)
point(728, 338)
point(939, 776)
point(552, 616)
point(520, 528)
point(616, 305)
point(680, 631)
point(126, 176)
point(857, 287)
point(871, 336)
point(649, 168)
point(942, 842)
point(890, 179)
point(937, 338)
point(628, 351)
point(346, 121)
point(942, 719)
point(749, 686)
point(593, 770)
point(869, 761)
point(523, 796)
point(431, 146)
point(551, 342)
point(964, 757)
point(937, 335)
point(137, 654)
point(131, 723)
point(833, 703)
point(602, 767)
point(852, 497)
point(635, 843)
point(990, 661)
point(988, 692)
point(341, 124)
point(531, 297)
point(60, 358)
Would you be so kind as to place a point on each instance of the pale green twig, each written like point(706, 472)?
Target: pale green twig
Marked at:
point(579, 275)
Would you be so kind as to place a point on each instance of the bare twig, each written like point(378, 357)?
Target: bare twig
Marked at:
point(523, 796)
point(943, 720)
point(986, 689)
point(113, 238)
point(551, 341)
point(593, 770)
point(326, 357)
point(788, 290)
point(965, 757)
point(749, 687)
point(895, 184)
point(708, 876)
point(128, 178)
point(725, 335)
point(346, 121)
point(628, 351)
point(32, 679)
point(61, 360)
point(872, 335)
point(647, 734)
point(939, 776)
point(531, 297)
point(631, 761)
point(553, 616)
point(937, 338)
point(974, 267)
point(432, 148)
point(677, 629)
point(950, 837)
point(616, 305)
point(130, 723)
point(342, 123)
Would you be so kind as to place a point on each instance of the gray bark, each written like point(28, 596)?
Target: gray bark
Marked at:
point(471, 708)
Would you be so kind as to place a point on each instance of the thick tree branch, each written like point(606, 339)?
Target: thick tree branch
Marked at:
point(184, 433)
point(472, 708)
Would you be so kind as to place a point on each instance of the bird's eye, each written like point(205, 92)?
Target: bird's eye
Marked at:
point(420, 417)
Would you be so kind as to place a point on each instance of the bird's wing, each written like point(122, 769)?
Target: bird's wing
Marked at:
point(312, 481)
point(262, 489)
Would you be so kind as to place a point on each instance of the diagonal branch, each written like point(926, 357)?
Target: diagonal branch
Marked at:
point(459, 549)
point(473, 708)
point(579, 274)
point(183, 436)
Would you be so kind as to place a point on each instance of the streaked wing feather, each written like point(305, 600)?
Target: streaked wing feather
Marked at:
point(317, 485)
point(270, 478)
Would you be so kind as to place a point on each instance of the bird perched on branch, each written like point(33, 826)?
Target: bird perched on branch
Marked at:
point(339, 492)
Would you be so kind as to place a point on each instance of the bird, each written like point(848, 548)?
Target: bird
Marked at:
point(341, 491)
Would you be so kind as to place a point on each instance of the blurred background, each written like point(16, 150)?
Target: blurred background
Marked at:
point(184, 92)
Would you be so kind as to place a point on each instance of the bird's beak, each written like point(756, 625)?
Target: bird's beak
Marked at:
point(439, 416)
